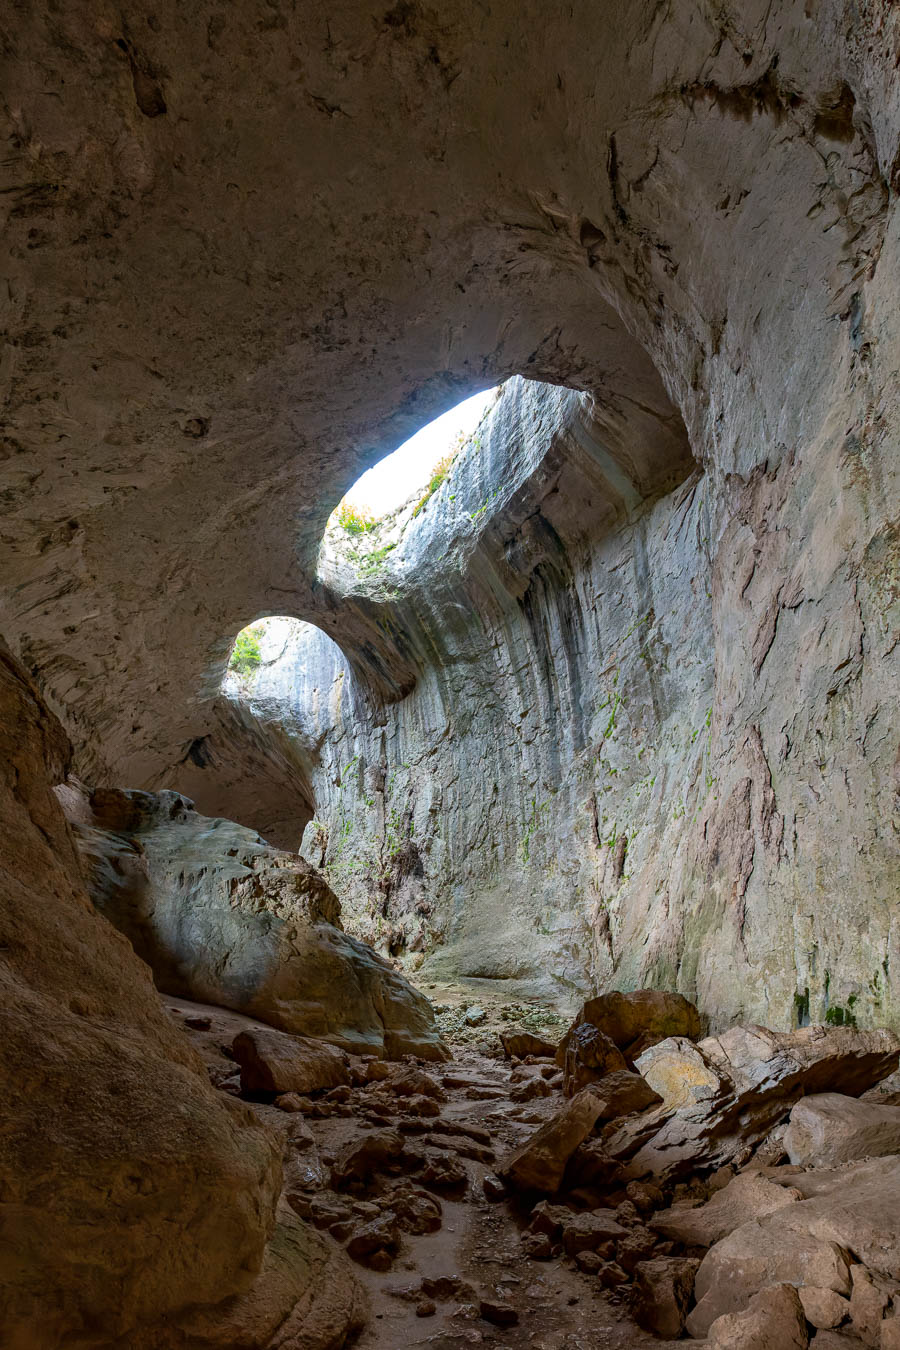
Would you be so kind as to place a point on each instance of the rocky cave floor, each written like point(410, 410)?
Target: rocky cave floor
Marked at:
point(400, 1167)
point(439, 1282)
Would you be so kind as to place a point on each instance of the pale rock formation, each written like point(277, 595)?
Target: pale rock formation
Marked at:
point(722, 1096)
point(223, 918)
point(828, 1128)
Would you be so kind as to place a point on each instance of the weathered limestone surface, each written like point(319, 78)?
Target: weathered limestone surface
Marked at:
point(645, 719)
point(120, 1167)
point(220, 917)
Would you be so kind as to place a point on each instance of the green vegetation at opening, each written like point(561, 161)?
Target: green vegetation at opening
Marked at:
point(355, 520)
point(438, 474)
point(245, 655)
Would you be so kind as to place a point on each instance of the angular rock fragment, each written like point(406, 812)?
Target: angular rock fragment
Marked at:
point(737, 1086)
point(823, 1308)
point(539, 1163)
point(662, 1294)
point(517, 1044)
point(360, 1160)
point(589, 1056)
point(587, 1232)
point(623, 1093)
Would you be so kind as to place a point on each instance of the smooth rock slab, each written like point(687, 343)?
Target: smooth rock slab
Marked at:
point(828, 1129)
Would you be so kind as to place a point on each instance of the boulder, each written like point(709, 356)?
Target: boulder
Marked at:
point(871, 1301)
point(623, 1093)
point(590, 1055)
point(724, 1095)
point(539, 1163)
point(517, 1044)
point(305, 1296)
point(823, 1308)
point(221, 917)
point(587, 1232)
point(361, 1157)
point(759, 1254)
point(856, 1206)
point(830, 1128)
point(273, 1061)
point(749, 1196)
point(635, 1021)
point(662, 1294)
point(773, 1320)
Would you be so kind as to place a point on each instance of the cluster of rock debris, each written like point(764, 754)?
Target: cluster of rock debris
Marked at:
point(743, 1188)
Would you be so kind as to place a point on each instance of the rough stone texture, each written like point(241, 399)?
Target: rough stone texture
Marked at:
point(272, 1061)
point(121, 1169)
point(829, 1128)
point(220, 917)
point(683, 696)
point(588, 1057)
point(773, 1320)
point(747, 1197)
point(540, 1162)
point(852, 1209)
point(662, 1292)
point(823, 1308)
point(756, 1256)
point(634, 1022)
point(726, 1093)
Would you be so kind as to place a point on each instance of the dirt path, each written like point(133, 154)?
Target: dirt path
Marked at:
point(558, 1307)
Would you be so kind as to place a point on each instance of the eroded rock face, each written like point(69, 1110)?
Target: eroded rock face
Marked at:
point(221, 917)
point(121, 1167)
point(681, 686)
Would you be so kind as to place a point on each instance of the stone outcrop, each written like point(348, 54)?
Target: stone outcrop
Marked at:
point(722, 1096)
point(223, 918)
point(121, 1167)
point(639, 719)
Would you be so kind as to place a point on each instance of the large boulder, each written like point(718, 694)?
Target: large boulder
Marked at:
point(221, 917)
point(273, 1061)
point(829, 1128)
point(748, 1196)
point(855, 1209)
point(758, 1255)
point(131, 1189)
point(540, 1163)
point(773, 1320)
point(635, 1021)
point(723, 1095)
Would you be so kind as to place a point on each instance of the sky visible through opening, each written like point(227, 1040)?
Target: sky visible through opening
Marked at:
point(408, 469)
